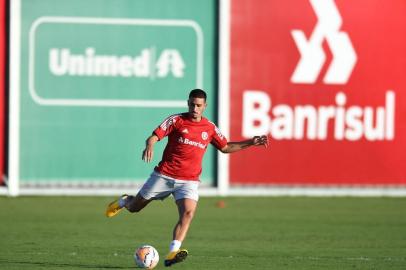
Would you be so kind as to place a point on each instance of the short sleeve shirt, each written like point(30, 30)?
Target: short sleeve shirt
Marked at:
point(187, 143)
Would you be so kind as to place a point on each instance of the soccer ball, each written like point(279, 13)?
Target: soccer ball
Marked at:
point(146, 256)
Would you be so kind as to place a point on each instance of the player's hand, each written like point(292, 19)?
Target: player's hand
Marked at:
point(148, 154)
point(260, 140)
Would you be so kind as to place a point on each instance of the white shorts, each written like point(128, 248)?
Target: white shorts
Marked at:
point(159, 186)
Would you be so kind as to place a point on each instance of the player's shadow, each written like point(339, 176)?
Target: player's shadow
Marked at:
point(48, 264)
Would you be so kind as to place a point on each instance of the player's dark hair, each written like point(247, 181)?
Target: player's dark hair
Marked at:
point(197, 93)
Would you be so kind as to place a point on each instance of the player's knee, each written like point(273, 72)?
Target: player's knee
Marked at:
point(188, 214)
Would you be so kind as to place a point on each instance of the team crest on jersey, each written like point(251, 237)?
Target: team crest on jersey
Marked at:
point(204, 135)
point(185, 131)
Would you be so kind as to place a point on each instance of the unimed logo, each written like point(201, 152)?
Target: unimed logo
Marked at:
point(147, 64)
point(312, 55)
point(120, 62)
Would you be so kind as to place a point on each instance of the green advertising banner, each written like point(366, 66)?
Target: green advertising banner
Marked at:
point(97, 76)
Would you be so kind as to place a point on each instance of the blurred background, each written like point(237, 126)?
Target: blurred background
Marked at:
point(84, 83)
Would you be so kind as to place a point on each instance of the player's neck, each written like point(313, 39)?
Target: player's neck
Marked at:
point(193, 119)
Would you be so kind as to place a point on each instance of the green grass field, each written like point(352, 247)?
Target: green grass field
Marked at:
point(249, 233)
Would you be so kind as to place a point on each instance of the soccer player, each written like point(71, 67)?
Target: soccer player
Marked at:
point(178, 172)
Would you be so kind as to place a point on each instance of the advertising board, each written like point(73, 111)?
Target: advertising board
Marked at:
point(325, 80)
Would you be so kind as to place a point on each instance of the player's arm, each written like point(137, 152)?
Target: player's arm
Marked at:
point(232, 147)
point(148, 152)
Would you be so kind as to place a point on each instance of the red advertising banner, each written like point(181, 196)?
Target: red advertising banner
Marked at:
point(327, 81)
point(2, 83)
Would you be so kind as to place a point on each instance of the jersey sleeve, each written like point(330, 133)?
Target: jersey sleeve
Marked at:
point(218, 139)
point(166, 127)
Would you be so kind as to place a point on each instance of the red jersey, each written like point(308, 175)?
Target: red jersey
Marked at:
point(187, 143)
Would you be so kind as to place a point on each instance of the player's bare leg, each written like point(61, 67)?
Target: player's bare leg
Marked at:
point(131, 203)
point(136, 204)
point(186, 209)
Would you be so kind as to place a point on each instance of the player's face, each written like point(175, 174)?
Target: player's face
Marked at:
point(196, 108)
